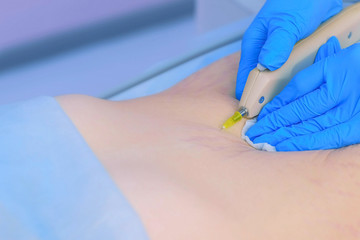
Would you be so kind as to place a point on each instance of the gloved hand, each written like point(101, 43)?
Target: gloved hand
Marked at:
point(319, 108)
point(278, 26)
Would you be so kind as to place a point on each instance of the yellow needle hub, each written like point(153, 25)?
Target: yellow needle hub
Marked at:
point(231, 121)
point(235, 118)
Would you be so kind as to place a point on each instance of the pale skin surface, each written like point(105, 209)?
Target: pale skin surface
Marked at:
point(189, 180)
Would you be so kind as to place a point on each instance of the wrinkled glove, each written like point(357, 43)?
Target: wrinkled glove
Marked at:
point(278, 26)
point(319, 108)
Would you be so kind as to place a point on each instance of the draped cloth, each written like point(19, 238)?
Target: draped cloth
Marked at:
point(52, 186)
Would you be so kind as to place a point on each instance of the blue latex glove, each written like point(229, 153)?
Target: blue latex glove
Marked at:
point(319, 108)
point(275, 30)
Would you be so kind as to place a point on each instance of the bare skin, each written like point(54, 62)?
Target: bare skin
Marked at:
point(189, 180)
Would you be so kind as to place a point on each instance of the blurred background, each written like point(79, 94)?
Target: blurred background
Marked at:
point(107, 48)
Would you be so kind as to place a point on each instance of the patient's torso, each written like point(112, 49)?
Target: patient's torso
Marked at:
point(189, 180)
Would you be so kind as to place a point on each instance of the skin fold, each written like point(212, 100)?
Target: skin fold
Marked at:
point(187, 179)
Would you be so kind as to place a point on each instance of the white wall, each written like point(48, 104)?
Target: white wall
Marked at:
point(212, 14)
point(23, 21)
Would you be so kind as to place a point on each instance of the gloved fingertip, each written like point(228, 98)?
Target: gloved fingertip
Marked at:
point(262, 139)
point(271, 106)
point(271, 60)
point(290, 145)
point(251, 134)
point(263, 113)
point(255, 131)
point(331, 47)
point(335, 41)
point(260, 67)
point(284, 148)
point(277, 49)
point(238, 95)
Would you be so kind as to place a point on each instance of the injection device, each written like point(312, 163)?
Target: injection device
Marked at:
point(263, 85)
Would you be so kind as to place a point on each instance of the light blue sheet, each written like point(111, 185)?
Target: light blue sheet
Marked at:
point(51, 184)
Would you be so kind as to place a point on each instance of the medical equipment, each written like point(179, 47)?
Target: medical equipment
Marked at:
point(278, 26)
point(319, 109)
point(257, 133)
point(263, 85)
